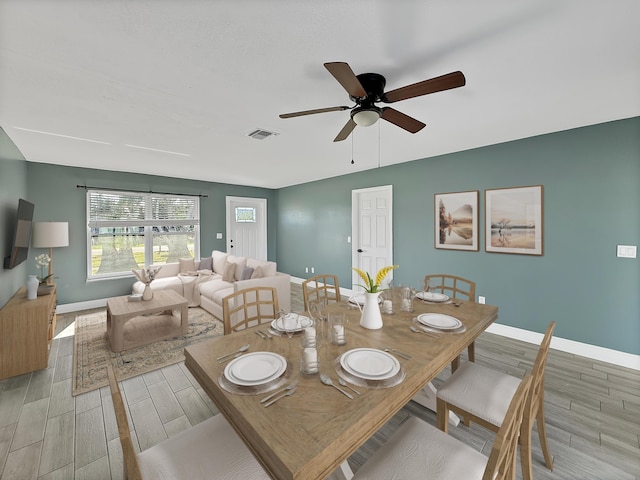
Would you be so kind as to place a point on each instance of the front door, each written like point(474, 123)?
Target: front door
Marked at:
point(372, 228)
point(247, 227)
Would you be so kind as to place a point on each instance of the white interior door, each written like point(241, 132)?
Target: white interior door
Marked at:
point(247, 227)
point(372, 231)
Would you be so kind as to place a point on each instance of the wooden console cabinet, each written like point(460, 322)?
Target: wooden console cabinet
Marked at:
point(26, 331)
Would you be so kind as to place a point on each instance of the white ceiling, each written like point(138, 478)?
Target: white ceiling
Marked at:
point(194, 77)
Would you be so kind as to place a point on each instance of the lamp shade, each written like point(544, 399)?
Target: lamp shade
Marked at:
point(50, 234)
point(366, 116)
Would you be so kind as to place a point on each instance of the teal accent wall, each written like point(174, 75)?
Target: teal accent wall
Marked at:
point(53, 190)
point(591, 189)
point(13, 186)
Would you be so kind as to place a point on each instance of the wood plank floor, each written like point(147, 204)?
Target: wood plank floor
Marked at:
point(593, 415)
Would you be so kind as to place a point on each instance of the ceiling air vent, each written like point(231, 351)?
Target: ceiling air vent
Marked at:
point(260, 134)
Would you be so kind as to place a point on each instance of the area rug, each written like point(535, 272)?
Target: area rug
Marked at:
point(91, 349)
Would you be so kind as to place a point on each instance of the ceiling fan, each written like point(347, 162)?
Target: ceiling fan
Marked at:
point(368, 88)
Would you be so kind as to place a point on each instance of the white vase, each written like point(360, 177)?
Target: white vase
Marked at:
point(32, 287)
point(371, 317)
point(148, 293)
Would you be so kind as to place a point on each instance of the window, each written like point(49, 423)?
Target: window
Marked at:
point(245, 215)
point(132, 230)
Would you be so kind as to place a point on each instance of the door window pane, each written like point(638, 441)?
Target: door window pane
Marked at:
point(245, 215)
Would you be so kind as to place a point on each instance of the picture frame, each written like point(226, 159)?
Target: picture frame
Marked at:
point(513, 220)
point(456, 220)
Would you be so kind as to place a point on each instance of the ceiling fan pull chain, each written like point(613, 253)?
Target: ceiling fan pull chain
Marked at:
point(378, 144)
point(352, 162)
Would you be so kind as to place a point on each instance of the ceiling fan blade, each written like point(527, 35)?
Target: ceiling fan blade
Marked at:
point(311, 112)
point(437, 84)
point(410, 124)
point(346, 131)
point(345, 76)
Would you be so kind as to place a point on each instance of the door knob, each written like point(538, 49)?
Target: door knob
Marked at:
point(360, 250)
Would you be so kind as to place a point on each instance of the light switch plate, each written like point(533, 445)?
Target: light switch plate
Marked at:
point(219, 236)
point(627, 251)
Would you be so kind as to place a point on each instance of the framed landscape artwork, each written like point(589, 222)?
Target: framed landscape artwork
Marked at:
point(513, 220)
point(456, 220)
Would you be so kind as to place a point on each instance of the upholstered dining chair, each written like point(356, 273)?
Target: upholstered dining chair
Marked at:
point(208, 450)
point(482, 395)
point(249, 307)
point(417, 450)
point(454, 287)
point(320, 288)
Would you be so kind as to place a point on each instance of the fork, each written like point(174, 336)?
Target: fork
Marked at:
point(406, 356)
point(291, 386)
point(286, 394)
point(418, 330)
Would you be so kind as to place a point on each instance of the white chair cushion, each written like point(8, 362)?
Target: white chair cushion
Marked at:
point(418, 450)
point(209, 450)
point(482, 391)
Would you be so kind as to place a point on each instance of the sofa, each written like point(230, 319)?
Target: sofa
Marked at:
point(206, 282)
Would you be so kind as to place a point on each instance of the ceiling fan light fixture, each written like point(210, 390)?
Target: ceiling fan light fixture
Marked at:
point(366, 117)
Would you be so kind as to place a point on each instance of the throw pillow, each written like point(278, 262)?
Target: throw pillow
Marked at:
point(228, 273)
point(269, 269)
point(246, 273)
point(187, 265)
point(257, 273)
point(206, 263)
point(240, 263)
point(219, 261)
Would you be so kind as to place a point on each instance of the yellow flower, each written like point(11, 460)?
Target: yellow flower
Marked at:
point(369, 285)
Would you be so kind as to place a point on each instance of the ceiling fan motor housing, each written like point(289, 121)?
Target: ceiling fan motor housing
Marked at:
point(373, 84)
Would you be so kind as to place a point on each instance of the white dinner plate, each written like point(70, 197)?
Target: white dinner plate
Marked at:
point(439, 321)
point(359, 299)
point(290, 323)
point(370, 364)
point(432, 297)
point(255, 368)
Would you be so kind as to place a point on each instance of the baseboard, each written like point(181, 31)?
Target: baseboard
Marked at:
point(594, 352)
point(75, 307)
point(615, 357)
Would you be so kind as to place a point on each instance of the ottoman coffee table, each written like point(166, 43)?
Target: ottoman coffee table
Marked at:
point(131, 324)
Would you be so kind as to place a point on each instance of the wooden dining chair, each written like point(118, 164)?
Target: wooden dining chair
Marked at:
point(249, 307)
point(208, 450)
point(454, 287)
point(321, 288)
point(417, 450)
point(482, 395)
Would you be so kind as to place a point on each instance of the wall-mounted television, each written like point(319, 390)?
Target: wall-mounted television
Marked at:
point(21, 236)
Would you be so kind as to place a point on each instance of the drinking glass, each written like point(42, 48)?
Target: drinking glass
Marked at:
point(407, 297)
point(317, 310)
point(286, 324)
point(338, 330)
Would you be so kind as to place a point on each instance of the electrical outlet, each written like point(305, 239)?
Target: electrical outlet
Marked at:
point(306, 269)
point(481, 299)
point(313, 270)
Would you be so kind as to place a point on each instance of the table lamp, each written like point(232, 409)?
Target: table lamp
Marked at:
point(50, 235)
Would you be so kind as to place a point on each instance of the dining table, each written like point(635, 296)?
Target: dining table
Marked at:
point(311, 433)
